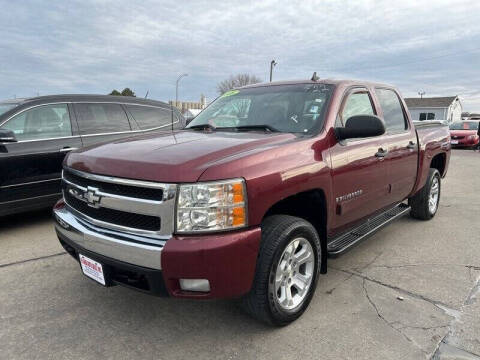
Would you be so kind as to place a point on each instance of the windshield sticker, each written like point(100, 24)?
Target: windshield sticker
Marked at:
point(230, 93)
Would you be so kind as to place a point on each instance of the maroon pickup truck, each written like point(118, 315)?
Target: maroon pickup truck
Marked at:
point(251, 198)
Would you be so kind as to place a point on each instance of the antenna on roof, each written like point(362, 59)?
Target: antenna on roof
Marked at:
point(315, 77)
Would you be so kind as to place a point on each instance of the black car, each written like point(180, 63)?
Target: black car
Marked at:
point(36, 133)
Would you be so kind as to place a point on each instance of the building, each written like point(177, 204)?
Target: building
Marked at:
point(183, 106)
point(447, 108)
point(191, 113)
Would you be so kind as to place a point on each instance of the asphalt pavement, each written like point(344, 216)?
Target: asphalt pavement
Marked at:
point(412, 291)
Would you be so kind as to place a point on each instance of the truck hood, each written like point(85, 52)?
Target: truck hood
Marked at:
point(174, 157)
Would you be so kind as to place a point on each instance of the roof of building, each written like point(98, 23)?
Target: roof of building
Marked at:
point(444, 101)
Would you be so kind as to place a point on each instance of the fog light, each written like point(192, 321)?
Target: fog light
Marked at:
point(202, 285)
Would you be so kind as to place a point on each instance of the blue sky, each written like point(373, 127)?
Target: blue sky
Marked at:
point(95, 46)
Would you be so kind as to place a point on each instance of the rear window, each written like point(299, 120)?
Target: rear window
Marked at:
point(392, 110)
point(101, 118)
point(466, 125)
point(149, 117)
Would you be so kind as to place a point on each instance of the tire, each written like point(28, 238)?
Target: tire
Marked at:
point(420, 202)
point(280, 232)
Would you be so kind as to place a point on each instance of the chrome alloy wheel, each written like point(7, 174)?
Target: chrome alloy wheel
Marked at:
point(433, 196)
point(294, 274)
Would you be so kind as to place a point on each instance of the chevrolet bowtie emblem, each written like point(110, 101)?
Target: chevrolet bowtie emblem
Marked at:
point(92, 197)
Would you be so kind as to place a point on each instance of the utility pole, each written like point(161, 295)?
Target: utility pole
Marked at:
point(176, 88)
point(272, 64)
point(421, 93)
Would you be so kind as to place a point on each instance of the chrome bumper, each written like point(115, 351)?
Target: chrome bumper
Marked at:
point(115, 245)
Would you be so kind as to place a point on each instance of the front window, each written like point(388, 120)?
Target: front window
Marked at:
point(41, 122)
point(465, 125)
point(4, 107)
point(283, 108)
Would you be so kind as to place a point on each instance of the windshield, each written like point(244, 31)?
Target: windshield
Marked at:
point(296, 108)
point(4, 107)
point(465, 125)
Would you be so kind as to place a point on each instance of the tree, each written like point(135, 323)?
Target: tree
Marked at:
point(128, 92)
point(125, 92)
point(236, 81)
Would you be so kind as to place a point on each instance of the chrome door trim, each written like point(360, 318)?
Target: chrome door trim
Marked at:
point(28, 183)
point(131, 131)
point(35, 197)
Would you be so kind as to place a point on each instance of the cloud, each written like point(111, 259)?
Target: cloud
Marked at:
point(96, 46)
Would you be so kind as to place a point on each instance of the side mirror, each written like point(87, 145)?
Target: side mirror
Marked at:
point(361, 126)
point(189, 119)
point(7, 136)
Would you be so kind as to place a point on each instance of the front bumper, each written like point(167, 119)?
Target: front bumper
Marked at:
point(226, 260)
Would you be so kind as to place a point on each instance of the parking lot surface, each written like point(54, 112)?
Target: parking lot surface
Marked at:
point(412, 291)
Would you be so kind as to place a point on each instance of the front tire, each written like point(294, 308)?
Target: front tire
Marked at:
point(424, 204)
point(287, 270)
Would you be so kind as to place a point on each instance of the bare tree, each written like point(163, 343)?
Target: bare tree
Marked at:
point(236, 81)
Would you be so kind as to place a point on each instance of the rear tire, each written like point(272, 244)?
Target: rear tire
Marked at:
point(284, 285)
point(424, 204)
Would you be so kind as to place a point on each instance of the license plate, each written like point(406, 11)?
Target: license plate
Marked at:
point(92, 269)
point(454, 142)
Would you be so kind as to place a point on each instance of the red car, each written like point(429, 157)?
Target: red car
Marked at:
point(464, 134)
point(253, 195)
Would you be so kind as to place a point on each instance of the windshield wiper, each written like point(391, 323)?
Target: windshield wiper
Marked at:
point(201, 127)
point(251, 127)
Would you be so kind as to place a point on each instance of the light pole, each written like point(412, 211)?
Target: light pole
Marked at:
point(272, 64)
point(421, 93)
point(176, 88)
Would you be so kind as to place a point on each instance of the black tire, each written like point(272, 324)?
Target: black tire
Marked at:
point(420, 201)
point(277, 232)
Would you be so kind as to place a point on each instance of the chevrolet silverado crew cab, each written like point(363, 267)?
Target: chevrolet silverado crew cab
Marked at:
point(251, 198)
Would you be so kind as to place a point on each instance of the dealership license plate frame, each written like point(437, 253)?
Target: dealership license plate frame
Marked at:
point(90, 268)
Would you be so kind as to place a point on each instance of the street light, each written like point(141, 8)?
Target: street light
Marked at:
point(272, 64)
point(421, 93)
point(176, 88)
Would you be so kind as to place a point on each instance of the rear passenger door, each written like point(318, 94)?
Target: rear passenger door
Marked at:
point(401, 143)
point(151, 118)
point(101, 122)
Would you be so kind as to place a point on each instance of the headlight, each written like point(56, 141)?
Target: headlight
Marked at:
point(211, 206)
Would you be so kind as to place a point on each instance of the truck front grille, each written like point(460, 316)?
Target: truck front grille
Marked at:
point(139, 207)
point(115, 217)
point(113, 188)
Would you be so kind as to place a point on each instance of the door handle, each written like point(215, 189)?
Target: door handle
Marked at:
point(411, 145)
point(381, 153)
point(67, 149)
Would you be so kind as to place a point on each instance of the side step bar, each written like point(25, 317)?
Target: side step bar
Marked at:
point(345, 241)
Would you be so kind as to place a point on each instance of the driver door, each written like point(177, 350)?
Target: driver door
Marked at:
point(359, 176)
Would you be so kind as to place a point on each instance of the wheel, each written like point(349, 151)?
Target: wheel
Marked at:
point(424, 204)
point(287, 270)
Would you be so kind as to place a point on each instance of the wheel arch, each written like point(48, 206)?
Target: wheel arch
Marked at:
point(310, 205)
point(439, 162)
